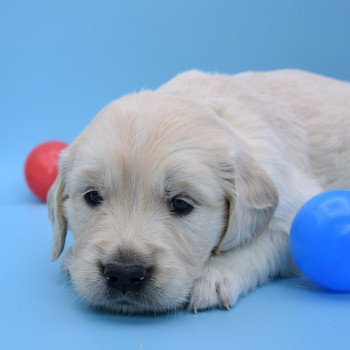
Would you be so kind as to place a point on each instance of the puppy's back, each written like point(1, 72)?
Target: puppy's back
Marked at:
point(309, 112)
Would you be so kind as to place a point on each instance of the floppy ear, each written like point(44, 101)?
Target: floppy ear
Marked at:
point(252, 199)
point(59, 222)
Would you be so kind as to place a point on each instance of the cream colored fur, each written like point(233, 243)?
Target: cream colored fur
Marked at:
point(248, 150)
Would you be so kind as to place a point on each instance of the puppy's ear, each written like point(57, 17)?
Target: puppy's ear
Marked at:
point(252, 199)
point(59, 222)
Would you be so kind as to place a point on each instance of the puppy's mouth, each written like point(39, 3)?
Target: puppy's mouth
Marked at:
point(129, 302)
point(124, 300)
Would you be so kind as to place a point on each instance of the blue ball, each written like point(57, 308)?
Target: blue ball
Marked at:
point(320, 240)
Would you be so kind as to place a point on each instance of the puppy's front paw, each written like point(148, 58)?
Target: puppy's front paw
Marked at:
point(213, 289)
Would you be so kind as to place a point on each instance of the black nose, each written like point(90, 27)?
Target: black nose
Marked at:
point(125, 277)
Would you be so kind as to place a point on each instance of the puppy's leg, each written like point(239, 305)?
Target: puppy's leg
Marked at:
point(234, 273)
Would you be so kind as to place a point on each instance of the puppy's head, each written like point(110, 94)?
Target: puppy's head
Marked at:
point(150, 190)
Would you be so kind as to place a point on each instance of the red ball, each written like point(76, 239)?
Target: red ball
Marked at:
point(41, 167)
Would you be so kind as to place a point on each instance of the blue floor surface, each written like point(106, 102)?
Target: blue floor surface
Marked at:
point(39, 309)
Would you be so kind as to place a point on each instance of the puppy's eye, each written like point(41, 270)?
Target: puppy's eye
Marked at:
point(180, 207)
point(93, 198)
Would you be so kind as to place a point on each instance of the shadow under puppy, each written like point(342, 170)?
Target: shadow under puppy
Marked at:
point(185, 195)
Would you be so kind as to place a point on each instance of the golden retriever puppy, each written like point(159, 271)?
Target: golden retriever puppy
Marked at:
point(185, 195)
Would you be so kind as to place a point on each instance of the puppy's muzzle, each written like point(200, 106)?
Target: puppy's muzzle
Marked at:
point(123, 277)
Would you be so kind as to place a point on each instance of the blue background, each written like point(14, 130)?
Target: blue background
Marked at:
point(62, 61)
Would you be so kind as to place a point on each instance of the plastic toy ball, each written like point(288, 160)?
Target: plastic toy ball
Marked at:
point(320, 240)
point(41, 167)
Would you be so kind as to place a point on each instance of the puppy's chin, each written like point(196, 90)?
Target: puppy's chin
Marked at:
point(131, 307)
point(126, 308)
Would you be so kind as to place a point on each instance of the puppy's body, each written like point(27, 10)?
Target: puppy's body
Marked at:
point(303, 116)
point(240, 153)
